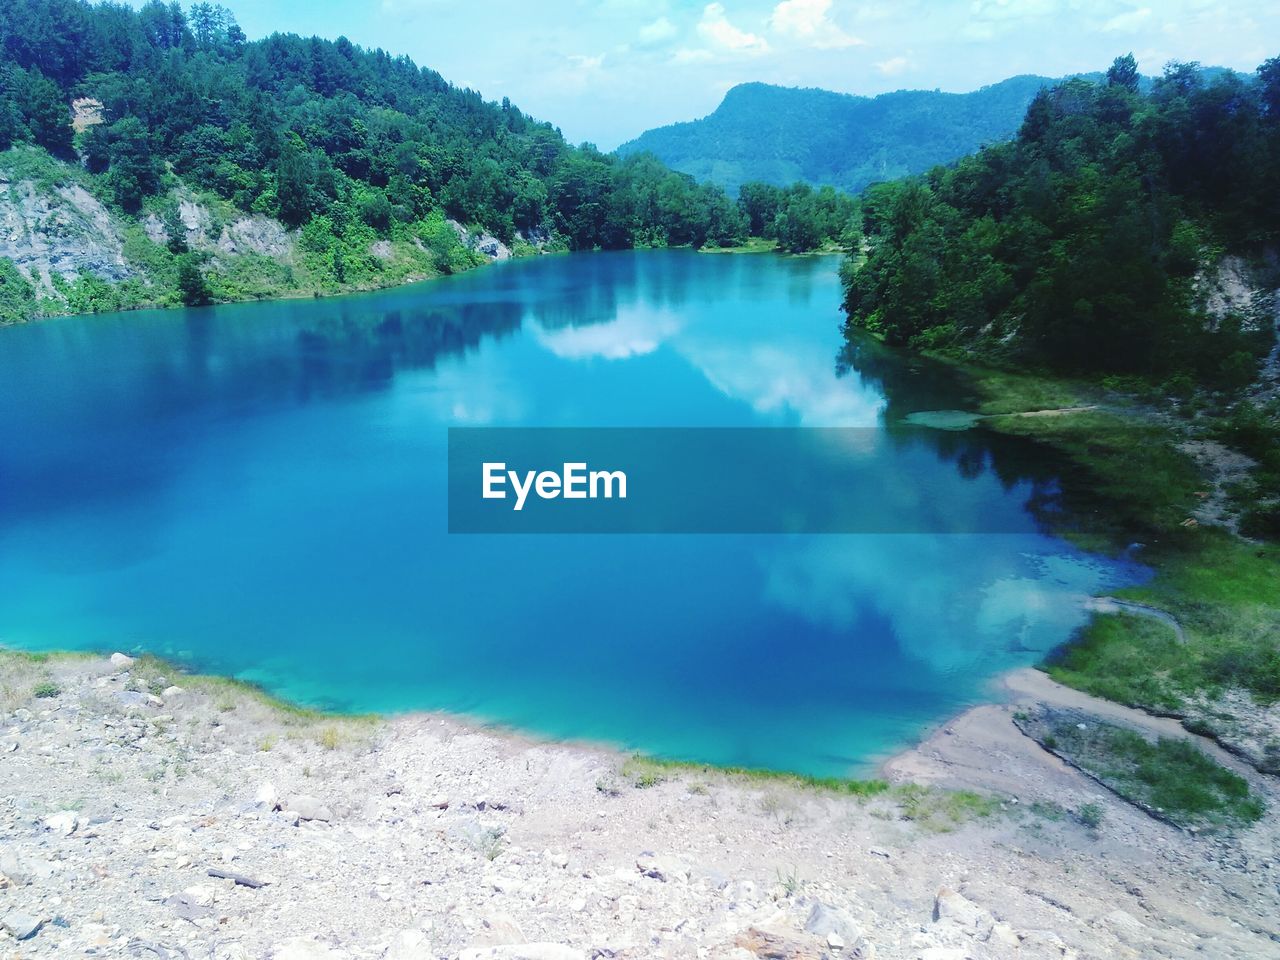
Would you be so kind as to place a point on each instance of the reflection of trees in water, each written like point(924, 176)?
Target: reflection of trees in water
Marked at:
point(913, 384)
point(137, 393)
point(362, 350)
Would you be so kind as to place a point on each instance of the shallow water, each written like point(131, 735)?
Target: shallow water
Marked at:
point(259, 490)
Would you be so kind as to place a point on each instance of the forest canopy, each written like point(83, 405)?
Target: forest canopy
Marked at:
point(300, 128)
point(1078, 245)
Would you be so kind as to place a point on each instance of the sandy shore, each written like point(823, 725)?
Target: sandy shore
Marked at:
point(422, 837)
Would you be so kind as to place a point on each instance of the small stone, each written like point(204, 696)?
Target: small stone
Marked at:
point(439, 802)
point(18, 873)
point(556, 858)
point(201, 895)
point(168, 692)
point(121, 661)
point(267, 795)
point(951, 907)
point(21, 926)
point(1003, 933)
point(63, 823)
point(827, 921)
point(309, 808)
point(525, 951)
point(409, 945)
point(661, 868)
point(835, 941)
point(301, 948)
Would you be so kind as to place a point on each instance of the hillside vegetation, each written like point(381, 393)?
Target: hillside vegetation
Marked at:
point(779, 135)
point(1079, 245)
point(1116, 265)
point(154, 135)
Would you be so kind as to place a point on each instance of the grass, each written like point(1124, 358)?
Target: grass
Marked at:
point(1090, 815)
point(1225, 593)
point(751, 245)
point(941, 811)
point(931, 808)
point(655, 770)
point(1170, 778)
point(1125, 480)
point(46, 689)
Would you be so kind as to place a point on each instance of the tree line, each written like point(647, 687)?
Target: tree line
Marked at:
point(1083, 244)
point(304, 128)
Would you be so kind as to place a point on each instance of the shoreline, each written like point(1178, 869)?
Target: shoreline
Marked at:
point(934, 758)
point(206, 821)
point(953, 754)
point(409, 281)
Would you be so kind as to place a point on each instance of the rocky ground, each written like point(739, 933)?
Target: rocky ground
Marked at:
point(153, 816)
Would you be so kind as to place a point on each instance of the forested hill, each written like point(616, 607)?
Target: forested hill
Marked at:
point(159, 107)
point(1090, 242)
point(295, 125)
point(779, 135)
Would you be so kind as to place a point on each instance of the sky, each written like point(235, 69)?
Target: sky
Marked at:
point(604, 71)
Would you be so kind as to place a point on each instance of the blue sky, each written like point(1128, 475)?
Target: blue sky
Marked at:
point(605, 70)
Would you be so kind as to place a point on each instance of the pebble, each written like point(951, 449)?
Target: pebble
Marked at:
point(21, 926)
point(307, 807)
point(63, 823)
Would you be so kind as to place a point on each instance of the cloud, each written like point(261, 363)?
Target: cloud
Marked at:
point(658, 31)
point(686, 55)
point(584, 64)
point(630, 335)
point(893, 66)
point(715, 28)
point(808, 21)
point(988, 18)
point(1126, 22)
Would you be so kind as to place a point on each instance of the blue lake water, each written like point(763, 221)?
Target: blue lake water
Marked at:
point(259, 490)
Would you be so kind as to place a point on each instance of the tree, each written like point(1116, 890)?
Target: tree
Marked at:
point(46, 113)
point(1123, 72)
point(192, 286)
point(294, 172)
point(17, 296)
point(133, 171)
point(759, 203)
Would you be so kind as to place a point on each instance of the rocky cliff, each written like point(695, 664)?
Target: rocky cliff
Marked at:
point(74, 252)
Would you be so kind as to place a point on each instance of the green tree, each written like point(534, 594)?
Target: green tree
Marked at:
point(294, 175)
point(192, 286)
point(46, 113)
point(1123, 72)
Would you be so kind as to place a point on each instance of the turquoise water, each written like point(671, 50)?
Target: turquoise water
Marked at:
point(259, 490)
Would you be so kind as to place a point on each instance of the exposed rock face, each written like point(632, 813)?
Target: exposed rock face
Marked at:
point(59, 232)
point(256, 234)
point(482, 242)
point(86, 112)
point(246, 234)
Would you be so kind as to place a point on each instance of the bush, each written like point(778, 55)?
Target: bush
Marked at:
point(17, 296)
point(1090, 814)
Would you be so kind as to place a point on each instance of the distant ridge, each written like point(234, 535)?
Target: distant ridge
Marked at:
point(783, 134)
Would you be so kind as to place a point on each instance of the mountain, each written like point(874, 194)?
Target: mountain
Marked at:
point(780, 135)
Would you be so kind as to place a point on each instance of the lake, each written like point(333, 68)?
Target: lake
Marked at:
point(259, 490)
